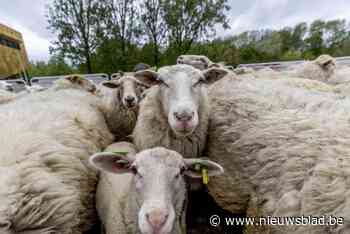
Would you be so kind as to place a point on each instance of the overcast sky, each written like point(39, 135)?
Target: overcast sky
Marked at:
point(28, 17)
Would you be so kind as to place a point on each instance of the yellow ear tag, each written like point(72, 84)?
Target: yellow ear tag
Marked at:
point(205, 176)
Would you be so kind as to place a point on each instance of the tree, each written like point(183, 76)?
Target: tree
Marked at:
point(315, 40)
point(335, 35)
point(54, 67)
point(190, 20)
point(76, 24)
point(152, 16)
point(120, 27)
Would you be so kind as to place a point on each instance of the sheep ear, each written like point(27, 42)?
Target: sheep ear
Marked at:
point(117, 75)
point(214, 74)
point(148, 77)
point(195, 166)
point(116, 163)
point(111, 84)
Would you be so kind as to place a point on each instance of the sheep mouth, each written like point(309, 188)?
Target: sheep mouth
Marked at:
point(184, 130)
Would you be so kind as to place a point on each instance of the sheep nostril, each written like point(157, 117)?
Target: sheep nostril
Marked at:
point(129, 99)
point(184, 117)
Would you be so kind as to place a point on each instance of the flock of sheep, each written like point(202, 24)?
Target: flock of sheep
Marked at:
point(128, 151)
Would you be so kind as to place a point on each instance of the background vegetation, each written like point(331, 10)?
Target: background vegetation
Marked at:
point(109, 35)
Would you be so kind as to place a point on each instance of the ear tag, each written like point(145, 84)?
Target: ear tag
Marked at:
point(205, 176)
point(204, 170)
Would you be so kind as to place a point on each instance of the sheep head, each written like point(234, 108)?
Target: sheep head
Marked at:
point(159, 183)
point(200, 62)
point(130, 91)
point(182, 92)
point(326, 62)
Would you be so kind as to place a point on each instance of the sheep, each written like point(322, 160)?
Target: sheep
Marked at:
point(47, 183)
point(243, 70)
point(201, 62)
point(281, 157)
point(175, 111)
point(145, 192)
point(74, 81)
point(121, 98)
point(321, 69)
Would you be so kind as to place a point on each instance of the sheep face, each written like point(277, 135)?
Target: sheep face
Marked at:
point(198, 61)
point(181, 93)
point(79, 82)
point(159, 183)
point(326, 62)
point(130, 90)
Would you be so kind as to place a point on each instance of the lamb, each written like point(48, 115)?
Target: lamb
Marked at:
point(47, 185)
point(145, 192)
point(321, 69)
point(121, 99)
point(74, 81)
point(175, 111)
point(280, 160)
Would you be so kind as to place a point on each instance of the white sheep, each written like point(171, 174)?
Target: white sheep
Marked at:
point(321, 69)
point(200, 62)
point(46, 140)
point(243, 70)
point(121, 99)
point(74, 81)
point(286, 152)
point(145, 192)
point(175, 111)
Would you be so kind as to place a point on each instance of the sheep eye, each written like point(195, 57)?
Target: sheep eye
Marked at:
point(177, 176)
point(134, 170)
point(199, 82)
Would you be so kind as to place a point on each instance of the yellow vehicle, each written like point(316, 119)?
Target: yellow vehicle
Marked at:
point(13, 56)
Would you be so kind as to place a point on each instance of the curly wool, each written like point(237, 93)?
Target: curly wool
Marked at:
point(280, 156)
point(45, 147)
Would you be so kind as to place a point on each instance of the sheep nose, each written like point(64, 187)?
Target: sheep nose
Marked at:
point(129, 99)
point(184, 116)
point(157, 219)
point(93, 89)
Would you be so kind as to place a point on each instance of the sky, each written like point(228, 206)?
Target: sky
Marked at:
point(29, 18)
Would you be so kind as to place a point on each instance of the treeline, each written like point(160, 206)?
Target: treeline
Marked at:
point(111, 35)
